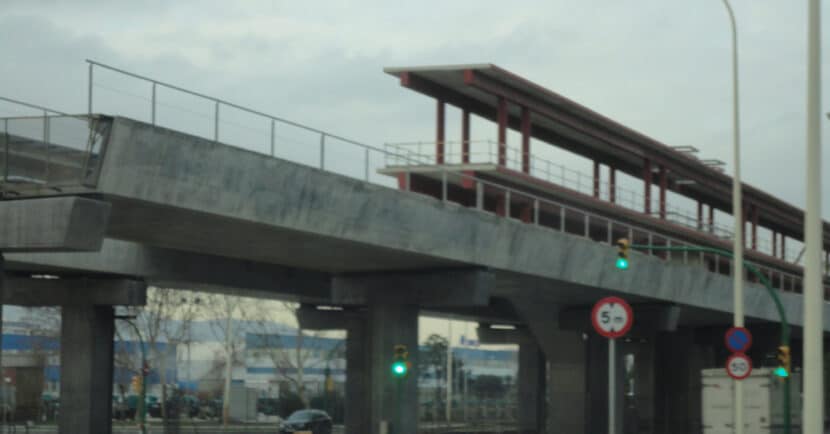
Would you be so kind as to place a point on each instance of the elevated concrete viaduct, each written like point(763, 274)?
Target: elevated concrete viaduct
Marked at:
point(191, 212)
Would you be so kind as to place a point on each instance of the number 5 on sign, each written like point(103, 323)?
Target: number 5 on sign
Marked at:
point(612, 317)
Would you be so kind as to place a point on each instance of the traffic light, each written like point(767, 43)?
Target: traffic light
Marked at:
point(784, 362)
point(400, 362)
point(622, 253)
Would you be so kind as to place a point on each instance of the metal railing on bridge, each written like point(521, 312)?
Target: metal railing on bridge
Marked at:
point(337, 154)
point(45, 149)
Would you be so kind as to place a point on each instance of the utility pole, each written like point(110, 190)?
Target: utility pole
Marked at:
point(813, 288)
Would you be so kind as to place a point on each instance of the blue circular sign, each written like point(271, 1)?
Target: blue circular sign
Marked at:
point(738, 339)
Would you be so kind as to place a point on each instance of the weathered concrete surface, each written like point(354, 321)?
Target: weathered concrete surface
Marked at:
point(178, 269)
point(25, 291)
point(53, 224)
point(426, 288)
point(86, 369)
point(181, 192)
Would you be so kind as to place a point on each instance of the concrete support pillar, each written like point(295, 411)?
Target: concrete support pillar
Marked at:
point(566, 384)
point(465, 136)
point(357, 405)
point(86, 369)
point(439, 132)
point(501, 116)
point(678, 361)
point(531, 385)
point(525, 140)
point(393, 400)
point(597, 385)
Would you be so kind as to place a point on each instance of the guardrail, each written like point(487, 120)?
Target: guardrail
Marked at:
point(339, 159)
point(486, 152)
point(50, 149)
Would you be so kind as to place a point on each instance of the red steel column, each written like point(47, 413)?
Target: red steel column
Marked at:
point(664, 183)
point(525, 140)
point(465, 136)
point(612, 185)
point(647, 180)
point(596, 179)
point(754, 227)
point(502, 118)
point(439, 132)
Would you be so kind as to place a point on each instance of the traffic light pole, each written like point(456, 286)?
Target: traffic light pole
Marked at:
point(785, 326)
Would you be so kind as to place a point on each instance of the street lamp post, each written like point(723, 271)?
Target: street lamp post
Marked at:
point(737, 212)
point(813, 288)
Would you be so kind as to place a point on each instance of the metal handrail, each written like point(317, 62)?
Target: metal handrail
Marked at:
point(407, 156)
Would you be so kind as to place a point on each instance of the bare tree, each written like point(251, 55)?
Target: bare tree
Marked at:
point(289, 363)
point(222, 308)
point(167, 317)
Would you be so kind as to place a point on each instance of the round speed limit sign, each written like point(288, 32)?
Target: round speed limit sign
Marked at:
point(612, 317)
point(738, 366)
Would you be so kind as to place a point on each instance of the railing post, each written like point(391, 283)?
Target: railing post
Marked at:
point(587, 226)
point(153, 106)
point(610, 232)
point(216, 122)
point(89, 91)
point(273, 127)
point(444, 186)
point(536, 211)
point(323, 152)
point(366, 163)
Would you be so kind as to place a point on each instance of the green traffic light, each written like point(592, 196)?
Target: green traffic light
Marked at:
point(781, 372)
point(622, 263)
point(399, 369)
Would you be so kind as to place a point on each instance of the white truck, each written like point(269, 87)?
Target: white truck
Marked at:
point(763, 402)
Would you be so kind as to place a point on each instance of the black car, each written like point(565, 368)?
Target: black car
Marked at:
point(316, 421)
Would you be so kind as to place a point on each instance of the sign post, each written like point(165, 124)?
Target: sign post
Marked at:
point(612, 318)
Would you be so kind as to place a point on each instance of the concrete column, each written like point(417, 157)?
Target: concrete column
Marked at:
point(596, 415)
point(357, 404)
point(678, 361)
point(566, 384)
point(394, 400)
point(86, 369)
point(531, 385)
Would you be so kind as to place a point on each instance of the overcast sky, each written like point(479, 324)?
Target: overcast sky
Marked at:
point(659, 66)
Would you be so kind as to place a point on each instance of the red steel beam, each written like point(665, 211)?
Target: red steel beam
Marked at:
point(612, 185)
point(502, 121)
point(465, 136)
point(439, 131)
point(596, 179)
point(525, 140)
